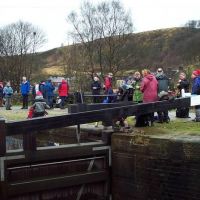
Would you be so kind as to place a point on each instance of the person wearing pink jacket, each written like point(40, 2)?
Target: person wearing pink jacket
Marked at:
point(149, 88)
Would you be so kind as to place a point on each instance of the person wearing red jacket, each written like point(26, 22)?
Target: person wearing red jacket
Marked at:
point(108, 82)
point(63, 91)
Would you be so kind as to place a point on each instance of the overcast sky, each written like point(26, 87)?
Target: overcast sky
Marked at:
point(50, 15)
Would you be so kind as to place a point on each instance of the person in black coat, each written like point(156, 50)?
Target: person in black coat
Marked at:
point(163, 86)
point(1, 94)
point(96, 88)
point(183, 84)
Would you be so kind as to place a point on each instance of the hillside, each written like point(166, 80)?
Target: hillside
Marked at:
point(167, 48)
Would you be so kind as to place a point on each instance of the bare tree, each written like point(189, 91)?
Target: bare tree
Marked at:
point(18, 44)
point(74, 66)
point(103, 30)
point(115, 26)
point(84, 30)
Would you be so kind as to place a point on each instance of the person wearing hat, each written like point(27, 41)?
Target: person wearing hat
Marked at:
point(39, 106)
point(196, 90)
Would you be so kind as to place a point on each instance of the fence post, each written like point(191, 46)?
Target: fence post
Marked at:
point(108, 129)
point(29, 141)
point(2, 137)
point(3, 191)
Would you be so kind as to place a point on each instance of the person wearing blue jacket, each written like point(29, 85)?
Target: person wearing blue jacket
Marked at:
point(49, 91)
point(8, 92)
point(25, 88)
point(196, 91)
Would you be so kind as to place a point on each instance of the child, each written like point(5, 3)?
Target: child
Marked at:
point(8, 92)
point(39, 106)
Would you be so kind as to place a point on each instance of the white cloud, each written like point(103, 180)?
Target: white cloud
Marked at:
point(50, 15)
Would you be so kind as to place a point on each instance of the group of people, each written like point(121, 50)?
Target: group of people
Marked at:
point(148, 87)
point(140, 87)
point(42, 93)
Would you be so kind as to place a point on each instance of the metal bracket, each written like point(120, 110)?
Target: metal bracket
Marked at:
point(78, 133)
point(2, 164)
point(104, 148)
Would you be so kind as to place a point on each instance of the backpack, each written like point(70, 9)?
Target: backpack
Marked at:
point(182, 112)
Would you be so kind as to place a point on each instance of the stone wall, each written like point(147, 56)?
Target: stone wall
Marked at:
point(162, 167)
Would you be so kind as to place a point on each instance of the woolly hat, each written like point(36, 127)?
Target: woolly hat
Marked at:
point(39, 95)
point(196, 72)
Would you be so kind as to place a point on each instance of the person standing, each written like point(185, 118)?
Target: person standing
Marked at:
point(1, 94)
point(129, 87)
point(108, 82)
point(96, 88)
point(25, 88)
point(42, 88)
point(35, 89)
point(49, 91)
point(196, 91)
point(149, 88)
point(163, 86)
point(137, 95)
point(182, 85)
point(63, 91)
point(8, 92)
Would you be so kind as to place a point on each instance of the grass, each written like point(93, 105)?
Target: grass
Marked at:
point(53, 70)
point(18, 114)
point(178, 126)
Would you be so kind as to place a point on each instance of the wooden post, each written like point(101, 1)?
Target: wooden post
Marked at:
point(2, 137)
point(3, 192)
point(108, 129)
point(29, 141)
